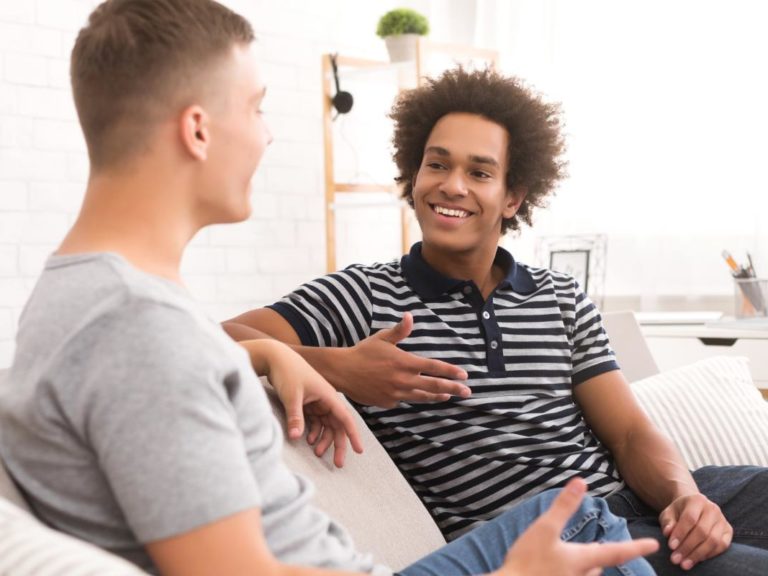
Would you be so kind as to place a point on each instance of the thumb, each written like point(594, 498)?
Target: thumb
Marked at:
point(667, 520)
point(398, 332)
point(566, 503)
point(294, 413)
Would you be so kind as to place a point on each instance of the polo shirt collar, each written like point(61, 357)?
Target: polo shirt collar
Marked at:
point(429, 283)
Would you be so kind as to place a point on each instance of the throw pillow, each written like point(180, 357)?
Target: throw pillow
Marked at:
point(27, 548)
point(712, 411)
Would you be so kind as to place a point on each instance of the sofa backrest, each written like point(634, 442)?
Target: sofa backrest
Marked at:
point(628, 343)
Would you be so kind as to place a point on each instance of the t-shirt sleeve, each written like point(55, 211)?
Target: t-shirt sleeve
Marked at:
point(591, 352)
point(154, 408)
point(334, 310)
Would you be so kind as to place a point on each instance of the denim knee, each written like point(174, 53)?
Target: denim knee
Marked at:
point(595, 510)
point(592, 511)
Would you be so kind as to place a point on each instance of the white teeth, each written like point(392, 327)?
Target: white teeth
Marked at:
point(450, 212)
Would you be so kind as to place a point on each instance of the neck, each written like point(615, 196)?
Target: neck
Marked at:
point(478, 268)
point(142, 219)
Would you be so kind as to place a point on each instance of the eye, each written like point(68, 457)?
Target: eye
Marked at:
point(480, 175)
point(435, 166)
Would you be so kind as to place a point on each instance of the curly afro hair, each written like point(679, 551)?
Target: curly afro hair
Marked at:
point(535, 141)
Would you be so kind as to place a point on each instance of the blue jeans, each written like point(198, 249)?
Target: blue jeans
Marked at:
point(742, 494)
point(483, 549)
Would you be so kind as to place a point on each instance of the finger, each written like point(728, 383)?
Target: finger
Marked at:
point(566, 504)
point(438, 368)
point(325, 441)
point(703, 551)
point(686, 520)
point(315, 429)
point(294, 414)
point(614, 553)
point(699, 534)
point(717, 542)
point(439, 386)
point(342, 417)
point(667, 520)
point(419, 396)
point(339, 447)
point(398, 332)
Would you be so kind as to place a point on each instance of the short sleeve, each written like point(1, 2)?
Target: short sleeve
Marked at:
point(591, 352)
point(334, 310)
point(155, 409)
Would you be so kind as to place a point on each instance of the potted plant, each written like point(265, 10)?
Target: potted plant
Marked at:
point(400, 29)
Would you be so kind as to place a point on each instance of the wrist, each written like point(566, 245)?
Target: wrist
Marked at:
point(326, 361)
point(262, 353)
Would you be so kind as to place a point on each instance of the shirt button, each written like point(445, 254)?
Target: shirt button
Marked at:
point(494, 344)
point(467, 289)
point(486, 315)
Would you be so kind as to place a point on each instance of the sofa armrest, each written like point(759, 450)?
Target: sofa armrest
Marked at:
point(368, 496)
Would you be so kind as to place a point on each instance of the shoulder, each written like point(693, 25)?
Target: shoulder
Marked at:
point(143, 325)
point(563, 285)
point(365, 276)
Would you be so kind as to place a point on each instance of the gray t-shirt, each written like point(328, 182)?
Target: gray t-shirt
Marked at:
point(129, 416)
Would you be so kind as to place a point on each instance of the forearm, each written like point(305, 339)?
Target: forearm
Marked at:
point(326, 361)
point(653, 468)
point(239, 332)
point(287, 570)
point(323, 360)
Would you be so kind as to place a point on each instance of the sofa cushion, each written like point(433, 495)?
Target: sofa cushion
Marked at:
point(712, 411)
point(27, 548)
point(368, 496)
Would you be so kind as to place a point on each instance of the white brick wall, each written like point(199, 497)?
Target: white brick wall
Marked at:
point(44, 167)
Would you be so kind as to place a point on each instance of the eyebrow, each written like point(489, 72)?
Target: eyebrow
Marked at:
point(440, 151)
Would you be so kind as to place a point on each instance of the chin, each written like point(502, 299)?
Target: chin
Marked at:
point(448, 242)
point(244, 214)
point(233, 214)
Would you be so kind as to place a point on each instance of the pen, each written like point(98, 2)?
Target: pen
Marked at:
point(731, 262)
point(751, 268)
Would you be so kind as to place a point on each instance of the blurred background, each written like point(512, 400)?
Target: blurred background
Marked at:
point(665, 116)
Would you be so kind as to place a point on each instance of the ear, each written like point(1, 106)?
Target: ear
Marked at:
point(194, 132)
point(515, 197)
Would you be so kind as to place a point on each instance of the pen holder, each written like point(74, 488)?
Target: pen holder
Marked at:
point(751, 297)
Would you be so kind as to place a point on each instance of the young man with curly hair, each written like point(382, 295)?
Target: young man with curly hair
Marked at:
point(488, 380)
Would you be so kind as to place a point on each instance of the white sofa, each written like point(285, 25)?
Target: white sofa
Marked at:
point(723, 421)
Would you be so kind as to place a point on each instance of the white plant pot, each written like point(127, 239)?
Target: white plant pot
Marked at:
point(402, 48)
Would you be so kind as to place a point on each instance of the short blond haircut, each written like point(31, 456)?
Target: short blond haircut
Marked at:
point(137, 60)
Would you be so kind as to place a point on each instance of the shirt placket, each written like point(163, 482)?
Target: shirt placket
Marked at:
point(490, 330)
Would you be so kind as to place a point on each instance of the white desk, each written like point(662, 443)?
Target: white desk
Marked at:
point(673, 346)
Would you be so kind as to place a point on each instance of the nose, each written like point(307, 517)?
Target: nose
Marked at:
point(454, 184)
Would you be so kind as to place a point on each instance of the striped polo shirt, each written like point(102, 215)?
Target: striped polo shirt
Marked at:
point(524, 348)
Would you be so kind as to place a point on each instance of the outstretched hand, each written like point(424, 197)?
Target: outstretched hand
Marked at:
point(540, 550)
point(376, 372)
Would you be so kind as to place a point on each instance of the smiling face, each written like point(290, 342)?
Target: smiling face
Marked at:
point(460, 193)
